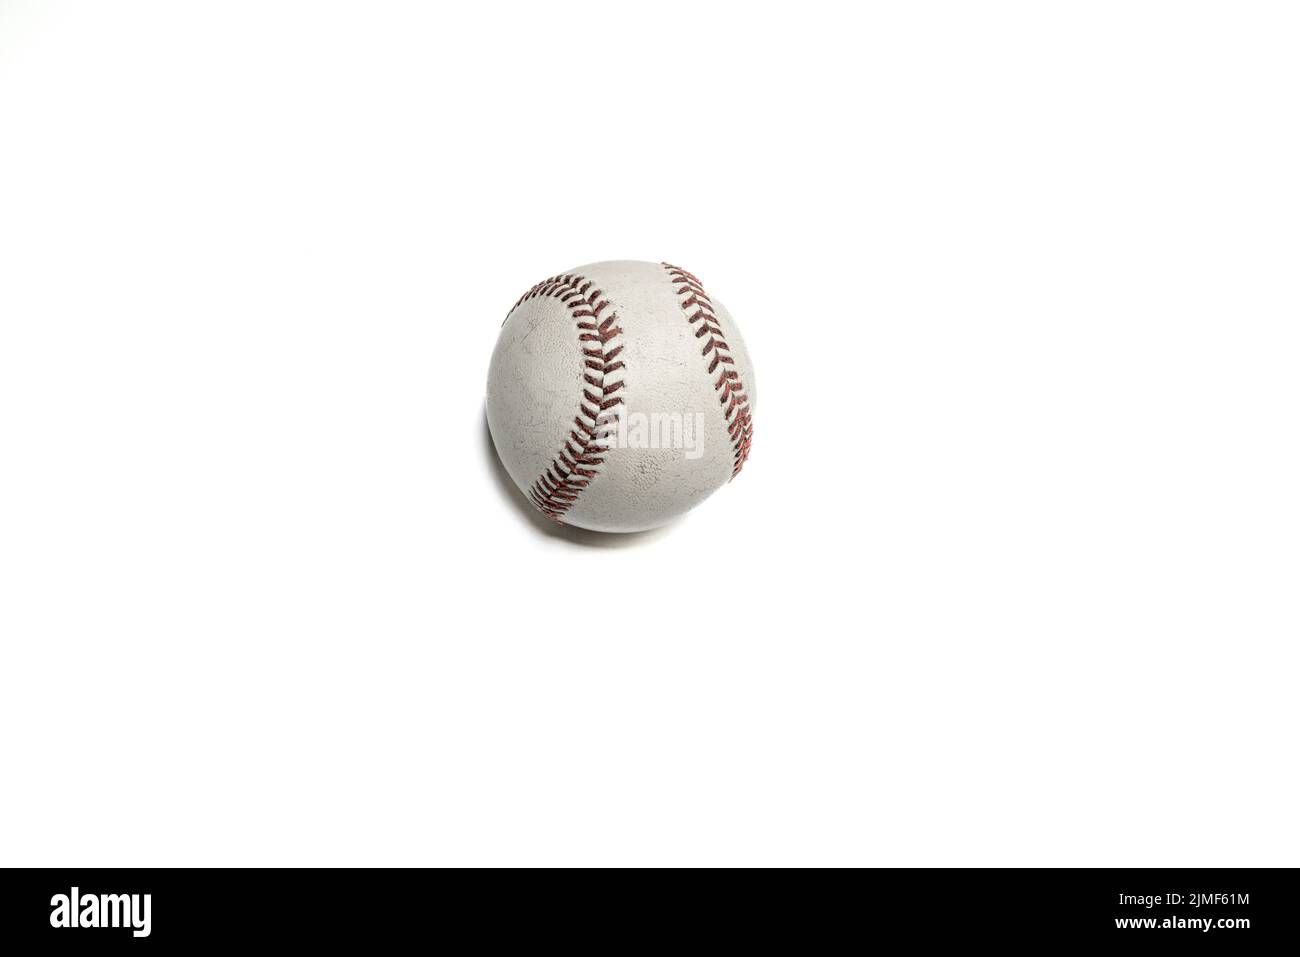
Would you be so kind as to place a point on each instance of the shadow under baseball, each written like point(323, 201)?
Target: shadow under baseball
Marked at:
point(557, 530)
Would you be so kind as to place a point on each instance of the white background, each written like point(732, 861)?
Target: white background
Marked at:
point(1010, 577)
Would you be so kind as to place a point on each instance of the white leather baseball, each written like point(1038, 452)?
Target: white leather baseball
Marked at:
point(620, 395)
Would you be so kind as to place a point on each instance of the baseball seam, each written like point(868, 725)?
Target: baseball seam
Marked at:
point(731, 390)
point(574, 466)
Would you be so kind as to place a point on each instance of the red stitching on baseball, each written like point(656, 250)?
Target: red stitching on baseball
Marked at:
point(731, 391)
point(573, 467)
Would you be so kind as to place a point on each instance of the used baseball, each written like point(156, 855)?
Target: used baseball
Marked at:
point(620, 395)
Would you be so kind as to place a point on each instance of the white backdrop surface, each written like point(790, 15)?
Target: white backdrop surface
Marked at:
point(1009, 578)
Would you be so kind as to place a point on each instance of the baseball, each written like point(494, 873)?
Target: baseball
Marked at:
point(620, 395)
